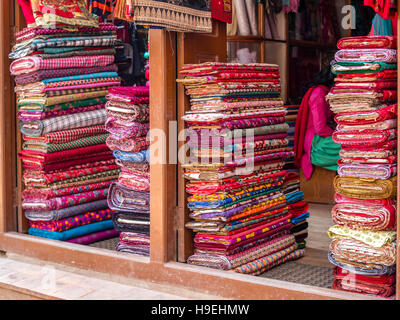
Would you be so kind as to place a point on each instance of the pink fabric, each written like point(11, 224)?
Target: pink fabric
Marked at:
point(316, 124)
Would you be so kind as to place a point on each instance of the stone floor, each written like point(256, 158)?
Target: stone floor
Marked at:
point(27, 280)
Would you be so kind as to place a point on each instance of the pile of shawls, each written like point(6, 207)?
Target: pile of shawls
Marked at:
point(363, 98)
point(63, 65)
point(128, 124)
point(237, 137)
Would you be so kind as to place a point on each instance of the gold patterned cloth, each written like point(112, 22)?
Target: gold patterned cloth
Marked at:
point(362, 188)
point(376, 239)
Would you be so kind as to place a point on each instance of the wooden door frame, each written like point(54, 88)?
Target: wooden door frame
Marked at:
point(161, 267)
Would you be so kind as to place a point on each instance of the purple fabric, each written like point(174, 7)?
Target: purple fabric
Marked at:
point(95, 237)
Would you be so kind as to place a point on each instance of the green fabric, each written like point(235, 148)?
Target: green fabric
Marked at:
point(75, 144)
point(325, 152)
point(302, 244)
point(382, 66)
point(63, 106)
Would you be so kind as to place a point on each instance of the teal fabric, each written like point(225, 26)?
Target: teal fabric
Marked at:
point(325, 152)
point(382, 27)
point(72, 233)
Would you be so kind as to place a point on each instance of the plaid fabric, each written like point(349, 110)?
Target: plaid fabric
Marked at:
point(77, 120)
point(64, 92)
point(80, 53)
point(50, 148)
point(31, 64)
point(24, 50)
point(68, 135)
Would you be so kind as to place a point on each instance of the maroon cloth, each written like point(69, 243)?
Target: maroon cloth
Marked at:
point(221, 10)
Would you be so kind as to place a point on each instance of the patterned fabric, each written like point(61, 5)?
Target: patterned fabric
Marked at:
point(32, 63)
point(359, 55)
point(361, 188)
point(367, 42)
point(124, 130)
point(73, 222)
point(376, 239)
point(78, 120)
point(128, 145)
point(72, 233)
point(125, 199)
point(79, 143)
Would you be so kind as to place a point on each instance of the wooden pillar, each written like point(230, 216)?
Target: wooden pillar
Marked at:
point(162, 49)
point(8, 221)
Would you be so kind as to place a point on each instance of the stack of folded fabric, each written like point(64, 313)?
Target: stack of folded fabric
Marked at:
point(238, 144)
point(62, 74)
point(291, 116)
point(128, 125)
point(364, 97)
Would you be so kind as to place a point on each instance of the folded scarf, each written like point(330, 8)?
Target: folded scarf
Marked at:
point(233, 261)
point(131, 222)
point(72, 233)
point(75, 144)
point(367, 171)
point(73, 222)
point(122, 198)
point(360, 269)
point(78, 120)
point(94, 237)
point(364, 217)
point(383, 285)
point(59, 214)
point(31, 64)
point(366, 42)
point(40, 75)
point(64, 201)
point(60, 137)
point(365, 188)
point(375, 239)
point(266, 263)
point(366, 55)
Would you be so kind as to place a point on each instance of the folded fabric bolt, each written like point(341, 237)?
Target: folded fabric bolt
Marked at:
point(132, 222)
point(361, 42)
point(383, 285)
point(124, 199)
point(125, 130)
point(300, 218)
point(40, 75)
point(367, 171)
point(65, 201)
point(382, 125)
point(142, 250)
point(31, 64)
point(78, 143)
point(365, 67)
point(64, 136)
point(72, 233)
point(233, 261)
point(376, 239)
point(139, 157)
point(365, 188)
point(360, 55)
point(128, 145)
point(73, 222)
point(375, 270)
point(266, 263)
point(373, 217)
point(94, 237)
point(367, 117)
point(365, 137)
point(65, 212)
point(41, 108)
point(78, 120)
point(359, 252)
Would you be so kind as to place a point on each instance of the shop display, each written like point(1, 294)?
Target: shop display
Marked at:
point(363, 246)
point(62, 74)
point(238, 143)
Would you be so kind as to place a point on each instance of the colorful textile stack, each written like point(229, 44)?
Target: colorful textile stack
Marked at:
point(62, 76)
point(291, 116)
point(128, 122)
point(364, 97)
point(237, 138)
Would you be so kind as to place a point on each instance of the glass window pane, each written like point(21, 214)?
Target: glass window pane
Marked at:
point(244, 52)
point(245, 18)
point(276, 52)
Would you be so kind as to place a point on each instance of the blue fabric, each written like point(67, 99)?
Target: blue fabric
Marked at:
point(72, 233)
point(366, 272)
point(294, 197)
point(382, 27)
point(82, 77)
point(300, 218)
point(138, 157)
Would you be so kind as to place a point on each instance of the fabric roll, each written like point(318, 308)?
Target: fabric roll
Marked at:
point(122, 198)
point(131, 222)
point(94, 237)
point(361, 188)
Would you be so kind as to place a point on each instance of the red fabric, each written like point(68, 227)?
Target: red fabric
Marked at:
point(221, 10)
point(301, 126)
point(386, 113)
point(365, 42)
point(384, 8)
point(27, 11)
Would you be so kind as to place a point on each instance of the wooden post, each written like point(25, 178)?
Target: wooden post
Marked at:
point(162, 175)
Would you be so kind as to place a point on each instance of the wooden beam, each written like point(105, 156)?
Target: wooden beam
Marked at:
point(8, 221)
